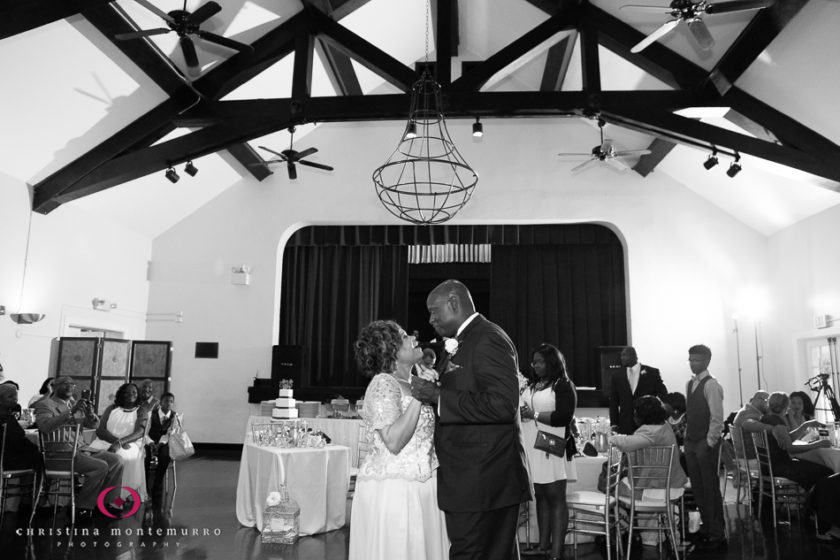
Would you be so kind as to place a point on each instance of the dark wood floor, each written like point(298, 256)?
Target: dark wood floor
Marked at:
point(205, 504)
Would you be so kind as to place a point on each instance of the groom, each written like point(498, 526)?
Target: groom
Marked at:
point(482, 477)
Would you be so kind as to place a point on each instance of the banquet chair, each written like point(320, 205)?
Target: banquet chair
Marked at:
point(745, 473)
point(779, 489)
point(647, 466)
point(596, 513)
point(362, 451)
point(58, 449)
point(18, 475)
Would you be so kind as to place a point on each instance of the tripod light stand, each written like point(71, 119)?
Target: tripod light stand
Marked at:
point(738, 355)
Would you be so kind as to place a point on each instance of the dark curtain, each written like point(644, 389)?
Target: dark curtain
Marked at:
point(571, 295)
point(328, 294)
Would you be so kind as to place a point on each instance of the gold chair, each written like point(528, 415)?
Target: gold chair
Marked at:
point(7, 475)
point(363, 449)
point(779, 489)
point(650, 468)
point(58, 449)
point(597, 513)
point(745, 471)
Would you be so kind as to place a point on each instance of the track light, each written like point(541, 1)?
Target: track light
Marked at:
point(172, 175)
point(478, 129)
point(734, 167)
point(411, 130)
point(712, 160)
point(190, 169)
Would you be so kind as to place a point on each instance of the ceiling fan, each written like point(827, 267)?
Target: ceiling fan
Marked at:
point(186, 23)
point(690, 13)
point(292, 156)
point(605, 152)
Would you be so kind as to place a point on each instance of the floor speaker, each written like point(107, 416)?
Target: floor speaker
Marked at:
point(609, 359)
point(287, 363)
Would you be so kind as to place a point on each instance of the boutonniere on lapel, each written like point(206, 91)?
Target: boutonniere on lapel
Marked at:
point(644, 371)
point(451, 346)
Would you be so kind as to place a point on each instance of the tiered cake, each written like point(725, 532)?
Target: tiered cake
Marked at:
point(284, 405)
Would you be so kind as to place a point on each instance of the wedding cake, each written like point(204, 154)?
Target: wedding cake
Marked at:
point(284, 405)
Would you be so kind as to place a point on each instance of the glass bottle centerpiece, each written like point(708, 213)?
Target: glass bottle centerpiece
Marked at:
point(281, 519)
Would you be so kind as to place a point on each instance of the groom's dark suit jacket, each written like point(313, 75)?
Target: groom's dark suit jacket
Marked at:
point(621, 398)
point(477, 438)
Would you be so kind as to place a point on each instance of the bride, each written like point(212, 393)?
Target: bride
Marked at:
point(395, 511)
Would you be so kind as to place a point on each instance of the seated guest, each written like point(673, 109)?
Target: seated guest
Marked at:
point(102, 469)
point(121, 431)
point(161, 424)
point(147, 395)
point(20, 453)
point(44, 391)
point(674, 404)
point(16, 409)
point(650, 415)
point(801, 410)
point(805, 473)
point(748, 419)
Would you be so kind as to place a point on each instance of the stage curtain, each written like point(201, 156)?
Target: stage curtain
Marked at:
point(571, 295)
point(328, 294)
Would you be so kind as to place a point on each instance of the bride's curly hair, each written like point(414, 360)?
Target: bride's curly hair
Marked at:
point(377, 346)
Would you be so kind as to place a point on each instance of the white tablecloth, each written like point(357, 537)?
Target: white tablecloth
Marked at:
point(342, 431)
point(828, 456)
point(317, 479)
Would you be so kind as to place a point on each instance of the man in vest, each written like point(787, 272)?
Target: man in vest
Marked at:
point(704, 413)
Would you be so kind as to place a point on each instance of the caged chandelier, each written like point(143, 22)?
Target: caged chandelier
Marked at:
point(425, 180)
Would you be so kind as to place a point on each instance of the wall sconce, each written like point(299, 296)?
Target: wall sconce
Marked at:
point(241, 275)
point(103, 304)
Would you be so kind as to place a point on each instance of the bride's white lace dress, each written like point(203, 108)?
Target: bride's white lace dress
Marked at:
point(395, 511)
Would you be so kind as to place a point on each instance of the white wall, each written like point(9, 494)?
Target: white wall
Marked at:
point(686, 259)
point(73, 257)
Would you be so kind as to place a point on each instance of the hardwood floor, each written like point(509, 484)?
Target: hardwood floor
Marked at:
point(203, 526)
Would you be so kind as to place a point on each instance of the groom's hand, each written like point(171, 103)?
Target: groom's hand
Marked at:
point(426, 392)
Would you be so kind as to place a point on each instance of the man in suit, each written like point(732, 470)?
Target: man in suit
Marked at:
point(482, 477)
point(629, 383)
point(157, 452)
point(102, 469)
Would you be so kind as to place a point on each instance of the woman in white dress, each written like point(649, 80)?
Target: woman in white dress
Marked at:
point(395, 511)
point(549, 405)
point(121, 431)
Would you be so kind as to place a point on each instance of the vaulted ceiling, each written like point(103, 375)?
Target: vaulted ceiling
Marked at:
point(356, 60)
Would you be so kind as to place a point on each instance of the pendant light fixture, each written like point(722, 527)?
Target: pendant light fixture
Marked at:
point(425, 179)
point(19, 317)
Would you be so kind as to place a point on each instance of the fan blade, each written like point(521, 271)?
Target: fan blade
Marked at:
point(141, 33)
point(306, 152)
point(701, 34)
point(617, 164)
point(663, 30)
point(658, 9)
point(272, 161)
point(574, 156)
point(292, 171)
point(630, 153)
point(224, 41)
point(318, 165)
point(204, 13)
point(154, 9)
point(278, 154)
point(738, 6)
point(584, 165)
point(189, 51)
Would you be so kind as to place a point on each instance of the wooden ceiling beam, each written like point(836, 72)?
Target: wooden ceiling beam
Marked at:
point(20, 16)
point(557, 62)
point(339, 68)
point(659, 148)
point(476, 77)
point(757, 36)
